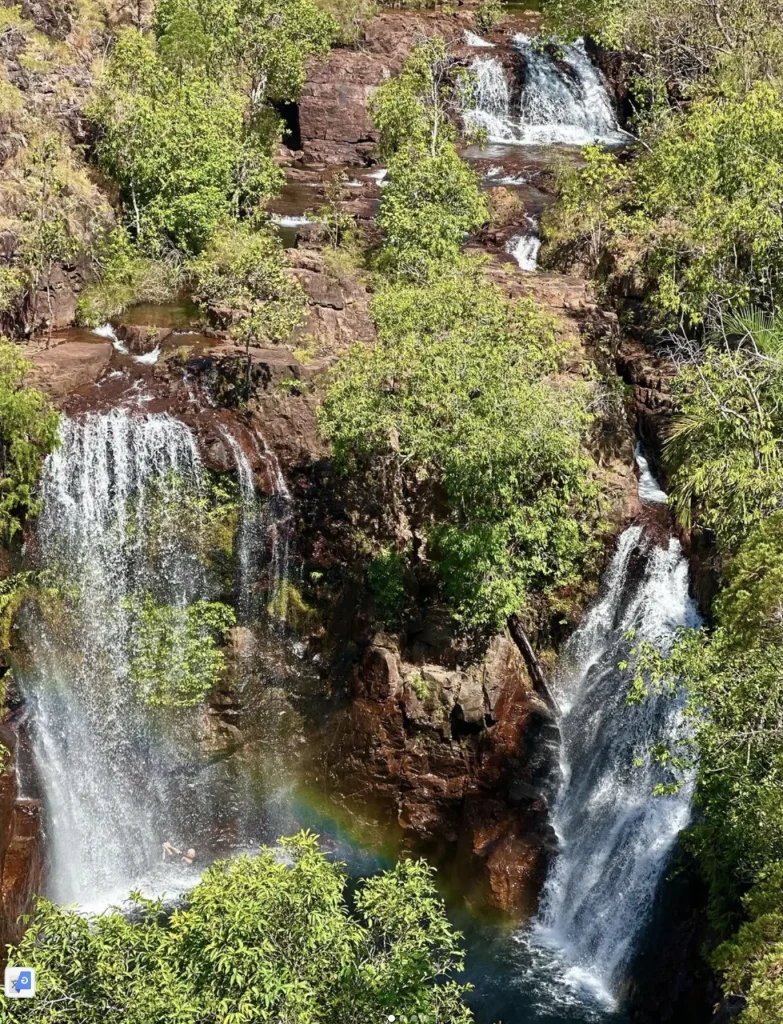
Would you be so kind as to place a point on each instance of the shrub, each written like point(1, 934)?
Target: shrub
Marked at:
point(259, 937)
point(29, 430)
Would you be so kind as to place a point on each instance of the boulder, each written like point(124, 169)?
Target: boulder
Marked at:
point(460, 759)
point(68, 365)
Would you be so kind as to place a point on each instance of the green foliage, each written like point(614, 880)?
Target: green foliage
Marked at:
point(125, 277)
point(411, 111)
point(259, 938)
point(180, 146)
point(242, 275)
point(429, 205)
point(11, 285)
point(14, 591)
point(698, 216)
point(55, 211)
point(725, 449)
point(289, 606)
point(488, 14)
point(463, 388)
point(28, 432)
point(589, 204)
point(262, 43)
point(433, 198)
point(176, 659)
point(752, 963)
point(682, 44)
point(203, 519)
point(351, 17)
point(386, 581)
point(419, 685)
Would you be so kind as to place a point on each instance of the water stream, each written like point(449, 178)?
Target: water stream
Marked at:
point(615, 837)
point(562, 98)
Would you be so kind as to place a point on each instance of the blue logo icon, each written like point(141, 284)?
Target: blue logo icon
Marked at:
point(19, 982)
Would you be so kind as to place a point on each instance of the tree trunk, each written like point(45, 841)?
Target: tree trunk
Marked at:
point(540, 684)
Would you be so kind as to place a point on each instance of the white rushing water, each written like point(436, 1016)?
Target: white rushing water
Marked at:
point(109, 776)
point(262, 527)
point(615, 837)
point(471, 39)
point(563, 101)
point(525, 248)
point(123, 514)
point(649, 488)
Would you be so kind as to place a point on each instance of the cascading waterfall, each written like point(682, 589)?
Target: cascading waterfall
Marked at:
point(563, 100)
point(615, 836)
point(123, 521)
point(525, 248)
point(491, 100)
point(106, 766)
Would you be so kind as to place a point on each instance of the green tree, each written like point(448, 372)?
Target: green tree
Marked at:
point(429, 206)
point(28, 432)
point(697, 216)
point(682, 44)
point(725, 447)
point(462, 388)
point(181, 148)
point(259, 938)
point(752, 963)
point(433, 198)
point(242, 279)
point(265, 42)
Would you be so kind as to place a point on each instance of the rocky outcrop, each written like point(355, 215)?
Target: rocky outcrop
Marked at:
point(334, 123)
point(68, 364)
point(649, 375)
point(459, 760)
point(21, 848)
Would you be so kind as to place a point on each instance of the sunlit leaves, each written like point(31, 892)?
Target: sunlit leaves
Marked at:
point(264, 938)
point(28, 432)
point(176, 658)
point(462, 387)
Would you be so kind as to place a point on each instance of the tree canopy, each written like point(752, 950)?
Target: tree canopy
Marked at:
point(463, 387)
point(269, 937)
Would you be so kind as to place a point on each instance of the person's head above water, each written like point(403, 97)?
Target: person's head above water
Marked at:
point(190, 856)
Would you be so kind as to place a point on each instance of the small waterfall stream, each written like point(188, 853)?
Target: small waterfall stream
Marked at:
point(563, 99)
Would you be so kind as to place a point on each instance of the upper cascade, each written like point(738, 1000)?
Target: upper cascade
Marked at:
point(563, 100)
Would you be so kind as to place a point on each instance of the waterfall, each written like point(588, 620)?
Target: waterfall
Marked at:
point(261, 527)
point(110, 774)
point(491, 100)
point(563, 100)
point(525, 248)
point(649, 488)
point(615, 837)
point(471, 39)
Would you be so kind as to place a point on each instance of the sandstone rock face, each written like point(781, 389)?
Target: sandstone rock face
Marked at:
point(460, 759)
point(333, 117)
point(69, 365)
point(21, 850)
